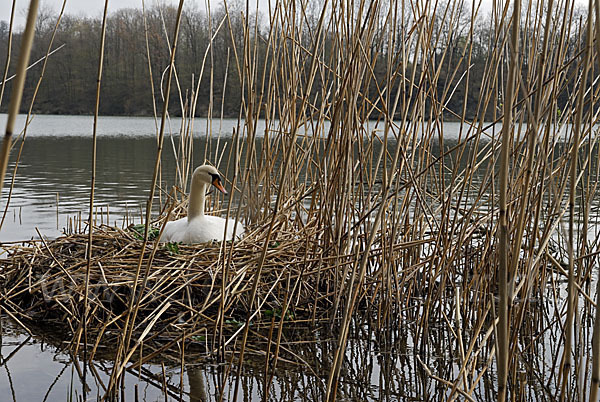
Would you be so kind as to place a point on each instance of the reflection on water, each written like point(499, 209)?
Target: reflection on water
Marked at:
point(379, 366)
point(34, 370)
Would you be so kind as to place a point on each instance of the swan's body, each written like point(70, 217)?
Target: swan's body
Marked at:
point(199, 230)
point(197, 227)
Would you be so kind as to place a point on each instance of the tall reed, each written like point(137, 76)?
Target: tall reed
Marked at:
point(49, 51)
point(8, 50)
point(504, 290)
point(123, 351)
point(90, 238)
point(578, 128)
point(595, 375)
point(17, 89)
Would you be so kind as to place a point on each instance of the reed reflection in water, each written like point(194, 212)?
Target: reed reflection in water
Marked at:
point(380, 366)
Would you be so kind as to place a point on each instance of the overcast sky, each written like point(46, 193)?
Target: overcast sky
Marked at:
point(84, 7)
point(94, 7)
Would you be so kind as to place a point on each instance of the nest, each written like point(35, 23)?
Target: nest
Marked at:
point(180, 291)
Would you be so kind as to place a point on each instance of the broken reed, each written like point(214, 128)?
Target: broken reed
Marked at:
point(380, 214)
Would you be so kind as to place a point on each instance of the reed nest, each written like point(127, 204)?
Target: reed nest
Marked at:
point(43, 282)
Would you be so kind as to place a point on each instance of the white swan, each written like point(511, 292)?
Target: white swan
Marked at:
point(197, 227)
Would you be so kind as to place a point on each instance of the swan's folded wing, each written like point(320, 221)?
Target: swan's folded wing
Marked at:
point(200, 230)
point(174, 231)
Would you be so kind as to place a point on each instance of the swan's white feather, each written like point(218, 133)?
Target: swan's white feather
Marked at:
point(200, 229)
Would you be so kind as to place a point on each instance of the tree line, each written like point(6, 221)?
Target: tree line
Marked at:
point(137, 43)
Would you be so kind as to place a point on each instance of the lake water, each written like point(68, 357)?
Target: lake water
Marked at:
point(52, 187)
point(53, 178)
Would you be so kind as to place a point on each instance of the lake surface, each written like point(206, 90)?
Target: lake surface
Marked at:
point(53, 179)
point(52, 187)
point(51, 192)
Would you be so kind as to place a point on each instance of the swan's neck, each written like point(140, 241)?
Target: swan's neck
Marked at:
point(196, 201)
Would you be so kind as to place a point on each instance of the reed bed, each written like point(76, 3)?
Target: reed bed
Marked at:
point(55, 281)
point(45, 281)
point(362, 213)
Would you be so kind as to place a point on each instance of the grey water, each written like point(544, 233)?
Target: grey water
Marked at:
point(53, 179)
point(52, 187)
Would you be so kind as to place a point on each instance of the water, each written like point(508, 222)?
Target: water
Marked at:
point(53, 179)
point(34, 370)
point(52, 186)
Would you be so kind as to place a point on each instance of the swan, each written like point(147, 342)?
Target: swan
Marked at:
point(197, 227)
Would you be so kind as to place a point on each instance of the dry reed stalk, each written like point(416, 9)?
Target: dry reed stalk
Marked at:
point(577, 130)
point(543, 97)
point(503, 280)
point(225, 267)
point(533, 128)
point(85, 312)
point(360, 267)
point(595, 375)
point(150, 76)
point(152, 90)
point(17, 90)
point(49, 51)
point(136, 294)
point(276, 209)
point(8, 50)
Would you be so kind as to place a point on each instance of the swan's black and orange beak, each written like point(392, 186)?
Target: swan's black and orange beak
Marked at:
point(217, 183)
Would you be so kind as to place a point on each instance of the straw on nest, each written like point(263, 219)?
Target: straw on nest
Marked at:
point(45, 282)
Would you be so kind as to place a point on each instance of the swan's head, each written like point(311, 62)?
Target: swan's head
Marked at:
point(209, 175)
